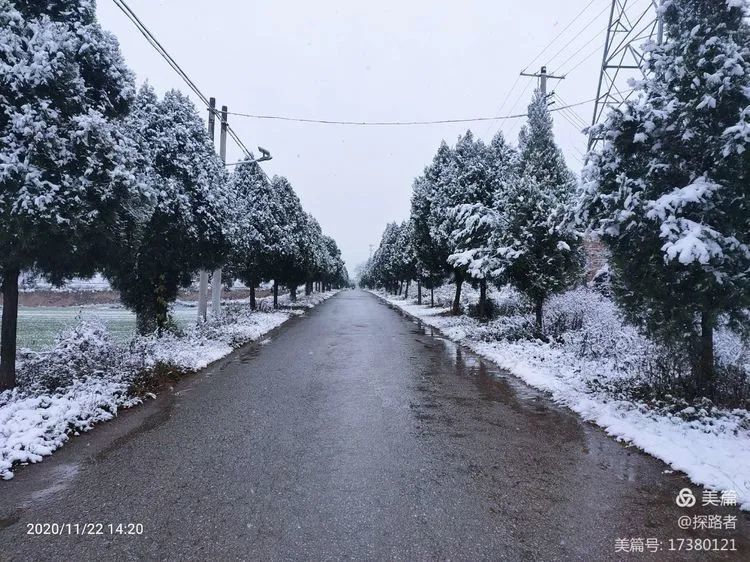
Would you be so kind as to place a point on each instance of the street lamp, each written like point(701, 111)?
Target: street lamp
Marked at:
point(266, 155)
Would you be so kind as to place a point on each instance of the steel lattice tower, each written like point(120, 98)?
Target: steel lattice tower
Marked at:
point(628, 28)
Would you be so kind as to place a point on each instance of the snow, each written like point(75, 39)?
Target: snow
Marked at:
point(87, 377)
point(97, 282)
point(711, 448)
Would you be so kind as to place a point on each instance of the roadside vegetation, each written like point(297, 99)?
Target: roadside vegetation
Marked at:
point(98, 177)
point(88, 374)
point(666, 194)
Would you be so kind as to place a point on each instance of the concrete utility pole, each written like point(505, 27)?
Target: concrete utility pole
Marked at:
point(203, 283)
point(216, 278)
point(543, 77)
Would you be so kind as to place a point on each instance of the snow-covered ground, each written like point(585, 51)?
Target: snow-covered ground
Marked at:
point(581, 367)
point(87, 375)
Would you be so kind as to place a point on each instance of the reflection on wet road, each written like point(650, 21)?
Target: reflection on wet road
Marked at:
point(352, 432)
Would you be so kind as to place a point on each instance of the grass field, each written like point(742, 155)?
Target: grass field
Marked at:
point(38, 326)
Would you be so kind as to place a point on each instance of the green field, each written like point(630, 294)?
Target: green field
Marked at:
point(38, 326)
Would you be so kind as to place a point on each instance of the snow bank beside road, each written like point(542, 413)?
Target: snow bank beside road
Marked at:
point(87, 377)
point(712, 449)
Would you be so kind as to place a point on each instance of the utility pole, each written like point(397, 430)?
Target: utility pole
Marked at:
point(543, 77)
point(203, 283)
point(216, 277)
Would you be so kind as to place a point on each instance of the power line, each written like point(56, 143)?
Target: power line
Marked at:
point(548, 45)
point(538, 56)
point(505, 100)
point(515, 103)
point(584, 59)
point(585, 27)
point(581, 48)
point(160, 49)
point(394, 123)
point(141, 27)
point(577, 117)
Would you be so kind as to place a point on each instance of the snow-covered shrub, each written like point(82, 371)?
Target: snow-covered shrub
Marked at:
point(510, 328)
point(588, 325)
point(599, 333)
point(83, 350)
point(86, 377)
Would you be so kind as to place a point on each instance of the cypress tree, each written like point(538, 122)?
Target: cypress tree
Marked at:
point(668, 193)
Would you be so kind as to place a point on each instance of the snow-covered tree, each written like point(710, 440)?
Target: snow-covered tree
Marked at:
point(475, 237)
point(406, 261)
point(474, 252)
point(258, 225)
point(464, 180)
point(275, 239)
point(432, 251)
point(393, 264)
point(540, 252)
point(285, 211)
point(669, 192)
point(63, 86)
point(384, 271)
point(187, 224)
point(335, 273)
point(311, 252)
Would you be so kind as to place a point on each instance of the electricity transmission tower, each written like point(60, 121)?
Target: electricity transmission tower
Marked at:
point(629, 27)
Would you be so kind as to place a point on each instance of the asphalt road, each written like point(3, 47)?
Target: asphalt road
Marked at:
point(350, 432)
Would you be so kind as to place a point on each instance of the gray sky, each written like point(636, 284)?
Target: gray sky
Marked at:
point(349, 60)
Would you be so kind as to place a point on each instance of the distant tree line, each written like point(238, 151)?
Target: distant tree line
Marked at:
point(95, 176)
point(668, 194)
point(488, 214)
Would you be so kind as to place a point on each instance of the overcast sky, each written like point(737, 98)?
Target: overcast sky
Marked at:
point(353, 60)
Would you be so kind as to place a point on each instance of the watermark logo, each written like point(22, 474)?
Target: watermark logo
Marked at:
point(685, 498)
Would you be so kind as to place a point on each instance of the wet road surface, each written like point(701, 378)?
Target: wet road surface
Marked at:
point(351, 432)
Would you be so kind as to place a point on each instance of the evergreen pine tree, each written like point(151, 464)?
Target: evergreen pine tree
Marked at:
point(285, 211)
point(477, 223)
point(257, 228)
point(431, 260)
point(186, 226)
point(540, 253)
point(63, 87)
point(668, 194)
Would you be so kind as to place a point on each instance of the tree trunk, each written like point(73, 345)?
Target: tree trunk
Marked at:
point(293, 293)
point(144, 322)
point(538, 309)
point(419, 291)
point(275, 294)
point(308, 288)
point(406, 290)
point(456, 310)
point(482, 299)
point(704, 370)
point(253, 304)
point(9, 329)
point(161, 306)
point(432, 297)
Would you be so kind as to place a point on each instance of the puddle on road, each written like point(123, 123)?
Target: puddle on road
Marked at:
point(248, 355)
point(496, 384)
point(59, 479)
point(538, 411)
